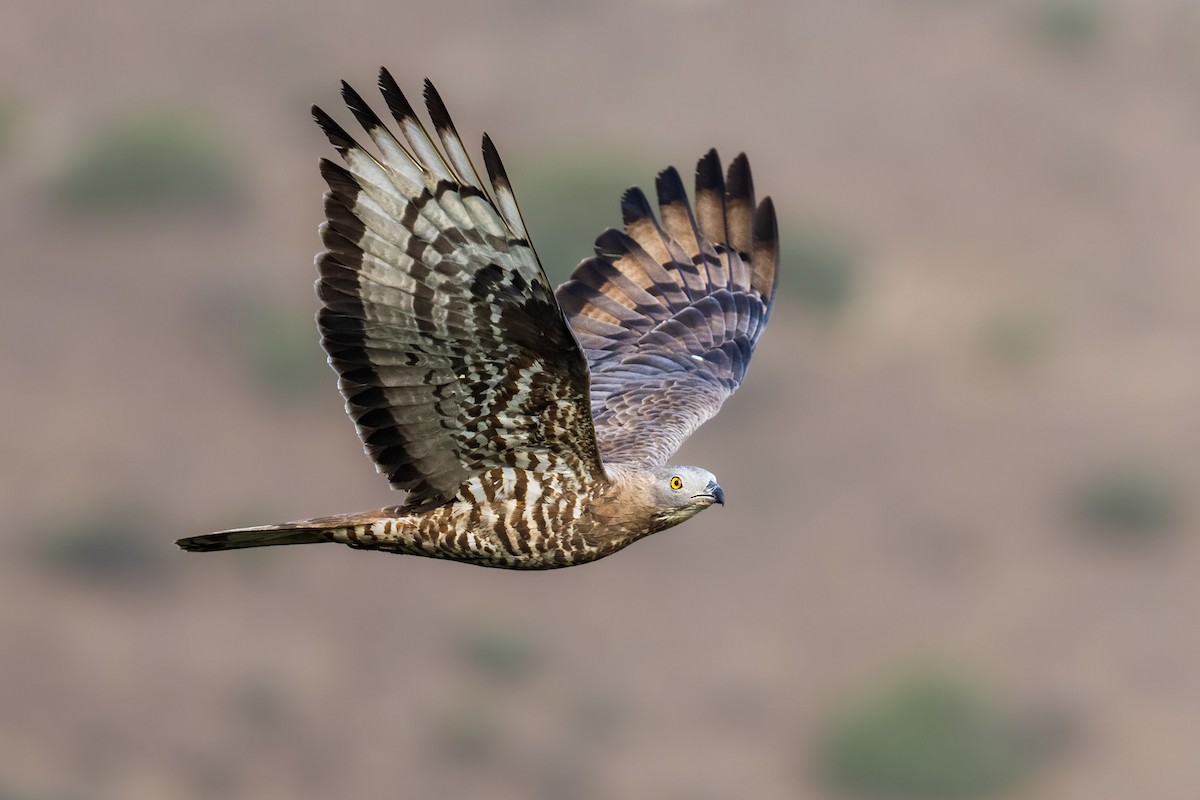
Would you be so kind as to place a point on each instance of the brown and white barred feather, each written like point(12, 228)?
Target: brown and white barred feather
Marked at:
point(509, 518)
point(669, 314)
point(466, 383)
point(451, 351)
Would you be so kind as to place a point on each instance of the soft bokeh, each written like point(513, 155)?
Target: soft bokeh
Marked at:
point(960, 552)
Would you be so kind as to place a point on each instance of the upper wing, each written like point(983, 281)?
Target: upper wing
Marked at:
point(451, 351)
point(669, 314)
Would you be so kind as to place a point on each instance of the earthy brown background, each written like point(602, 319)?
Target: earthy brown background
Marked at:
point(1012, 190)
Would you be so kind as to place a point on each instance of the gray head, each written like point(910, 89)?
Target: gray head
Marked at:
point(681, 492)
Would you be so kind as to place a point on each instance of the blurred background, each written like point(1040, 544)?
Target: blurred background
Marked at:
point(960, 554)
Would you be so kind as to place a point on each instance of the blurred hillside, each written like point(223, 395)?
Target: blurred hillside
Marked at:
point(960, 552)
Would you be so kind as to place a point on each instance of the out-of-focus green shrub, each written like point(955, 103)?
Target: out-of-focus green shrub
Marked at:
point(499, 653)
point(817, 266)
point(260, 704)
point(282, 349)
point(1014, 338)
point(149, 163)
point(928, 735)
point(1071, 25)
point(8, 126)
point(1129, 503)
point(9, 793)
point(110, 545)
point(567, 201)
point(469, 735)
point(599, 717)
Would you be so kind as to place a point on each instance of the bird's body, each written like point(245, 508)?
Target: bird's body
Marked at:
point(530, 428)
point(505, 517)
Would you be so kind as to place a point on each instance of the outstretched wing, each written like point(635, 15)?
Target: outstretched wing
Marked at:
point(669, 313)
point(451, 351)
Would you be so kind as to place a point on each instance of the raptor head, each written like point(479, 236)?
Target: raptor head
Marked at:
point(682, 492)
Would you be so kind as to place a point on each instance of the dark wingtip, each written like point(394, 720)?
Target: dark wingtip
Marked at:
point(765, 261)
point(334, 132)
point(710, 198)
point(765, 221)
point(635, 206)
point(709, 163)
point(708, 172)
point(491, 160)
point(386, 82)
point(739, 205)
point(438, 113)
point(765, 227)
point(339, 178)
point(359, 108)
point(611, 244)
point(739, 182)
point(670, 187)
point(397, 103)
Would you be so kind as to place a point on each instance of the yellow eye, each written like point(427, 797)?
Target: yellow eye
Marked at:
point(677, 482)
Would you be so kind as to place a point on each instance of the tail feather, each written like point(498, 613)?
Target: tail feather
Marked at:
point(261, 536)
point(343, 528)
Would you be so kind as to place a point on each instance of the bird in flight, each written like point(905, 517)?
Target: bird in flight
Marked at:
point(531, 428)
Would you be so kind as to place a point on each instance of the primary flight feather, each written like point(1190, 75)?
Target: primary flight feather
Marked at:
point(530, 428)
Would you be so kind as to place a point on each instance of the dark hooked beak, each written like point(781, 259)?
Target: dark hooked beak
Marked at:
point(715, 491)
